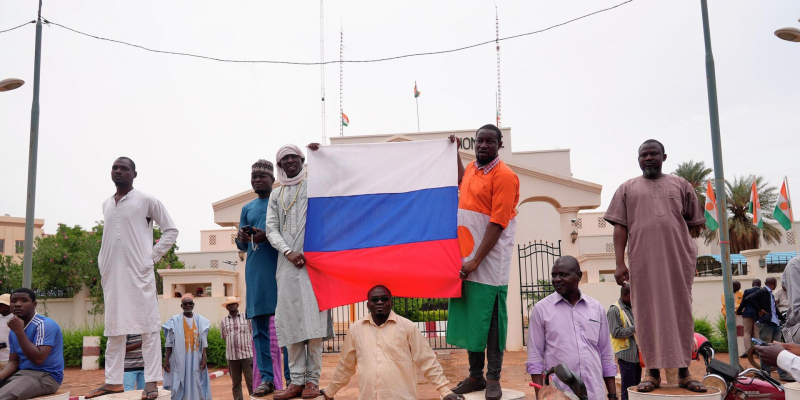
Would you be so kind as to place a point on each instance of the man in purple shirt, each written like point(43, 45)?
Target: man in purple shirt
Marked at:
point(568, 327)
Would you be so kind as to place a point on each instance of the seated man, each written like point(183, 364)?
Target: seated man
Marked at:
point(387, 347)
point(36, 362)
point(786, 356)
point(568, 327)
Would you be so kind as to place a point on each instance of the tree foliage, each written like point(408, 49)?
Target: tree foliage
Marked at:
point(743, 234)
point(696, 173)
point(66, 261)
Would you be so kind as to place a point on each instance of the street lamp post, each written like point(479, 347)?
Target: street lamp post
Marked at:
point(719, 180)
point(27, 262)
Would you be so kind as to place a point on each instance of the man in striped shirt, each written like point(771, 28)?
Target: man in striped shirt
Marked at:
point(133, 379)
point(238, 336)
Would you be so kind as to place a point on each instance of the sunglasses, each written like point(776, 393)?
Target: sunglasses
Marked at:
point(384, 299)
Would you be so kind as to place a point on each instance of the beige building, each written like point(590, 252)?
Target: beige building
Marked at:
point(12, 235)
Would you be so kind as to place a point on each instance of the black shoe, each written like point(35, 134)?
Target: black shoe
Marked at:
point(470, 385)
point(787, 378)
point(493, 391)
point(744, 355)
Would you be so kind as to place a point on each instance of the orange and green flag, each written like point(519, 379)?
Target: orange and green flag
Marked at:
point(712, 221)
point(416, 92)
point(345, 120)
point(755, 207)
point(783, 210)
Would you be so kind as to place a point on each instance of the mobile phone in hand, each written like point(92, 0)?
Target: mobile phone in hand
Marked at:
point(248, 230)
point(758, 342)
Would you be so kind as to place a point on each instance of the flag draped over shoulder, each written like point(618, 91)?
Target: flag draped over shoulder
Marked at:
point(711, 208)
point(755, 207)
point(783, 209)
point(383, 214)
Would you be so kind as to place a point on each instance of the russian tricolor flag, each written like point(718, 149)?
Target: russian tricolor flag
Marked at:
point(383, 214)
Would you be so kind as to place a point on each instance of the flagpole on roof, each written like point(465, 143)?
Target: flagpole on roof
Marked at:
point(341, 81)
point(416, 98)
point(322, 65)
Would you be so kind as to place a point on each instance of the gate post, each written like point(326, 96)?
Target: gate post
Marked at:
point(514, 307)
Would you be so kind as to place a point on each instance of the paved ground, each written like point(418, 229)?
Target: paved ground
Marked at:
point(454, 363)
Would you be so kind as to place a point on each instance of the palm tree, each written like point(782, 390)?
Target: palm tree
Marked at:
point(697, 175)
point(743, 234)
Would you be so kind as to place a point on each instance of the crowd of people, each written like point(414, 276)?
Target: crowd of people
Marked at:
point(281, 319)
point(655, 216)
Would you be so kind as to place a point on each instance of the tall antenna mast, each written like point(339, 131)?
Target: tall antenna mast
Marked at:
point(322, 66)
point(341, 81)
point(497, 41)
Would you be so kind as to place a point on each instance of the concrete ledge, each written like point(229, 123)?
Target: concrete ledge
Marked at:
point(130, 395)
point(673, 392)
point(59, 395)
point(508, 394)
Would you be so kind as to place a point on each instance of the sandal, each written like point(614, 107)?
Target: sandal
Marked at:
point(264, 389)
point(691, 384)
point(148, 394)
point(648, 384)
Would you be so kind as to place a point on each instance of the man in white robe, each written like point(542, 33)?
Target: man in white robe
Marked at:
point(127, 256)
point(300, 325)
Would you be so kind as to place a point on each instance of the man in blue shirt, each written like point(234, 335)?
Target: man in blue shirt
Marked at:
point(36, 363)
point(262, 289)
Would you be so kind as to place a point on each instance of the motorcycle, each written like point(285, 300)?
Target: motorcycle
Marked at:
point(733, 384)
point(552, 391)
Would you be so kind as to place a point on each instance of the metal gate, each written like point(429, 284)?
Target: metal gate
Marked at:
point(430, 316)
point(535, 261)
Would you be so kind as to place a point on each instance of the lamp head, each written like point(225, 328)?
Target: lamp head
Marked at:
point(10, 84)
point(788, 34)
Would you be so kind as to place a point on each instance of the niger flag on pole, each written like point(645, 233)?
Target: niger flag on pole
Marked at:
point(783, 210)
point(416, 92)
point(755, 207)
point(711, 209)
point(345, 120)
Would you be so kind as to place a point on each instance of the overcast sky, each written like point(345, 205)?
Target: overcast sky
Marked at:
point(599, 86)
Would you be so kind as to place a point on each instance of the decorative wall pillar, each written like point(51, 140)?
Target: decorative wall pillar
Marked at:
point(566, 217)
point(753, 269)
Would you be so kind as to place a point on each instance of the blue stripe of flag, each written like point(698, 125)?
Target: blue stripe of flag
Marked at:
point(375, 220)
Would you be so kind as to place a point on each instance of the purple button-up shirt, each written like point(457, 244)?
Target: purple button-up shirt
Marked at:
point(576, 336)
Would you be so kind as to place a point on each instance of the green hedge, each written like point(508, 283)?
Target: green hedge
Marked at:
point(73, 345)
point(703, 327)
point(716, 333)
point(435, 315)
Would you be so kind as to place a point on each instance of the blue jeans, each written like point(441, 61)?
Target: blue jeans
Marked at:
point(260, 324)
point(134, 380)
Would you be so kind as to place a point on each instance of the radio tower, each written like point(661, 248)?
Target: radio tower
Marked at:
point(497, 41)
point(341, 81)
point(322, 66)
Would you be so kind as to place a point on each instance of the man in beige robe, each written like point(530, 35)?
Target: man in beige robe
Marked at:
point(656, 215)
